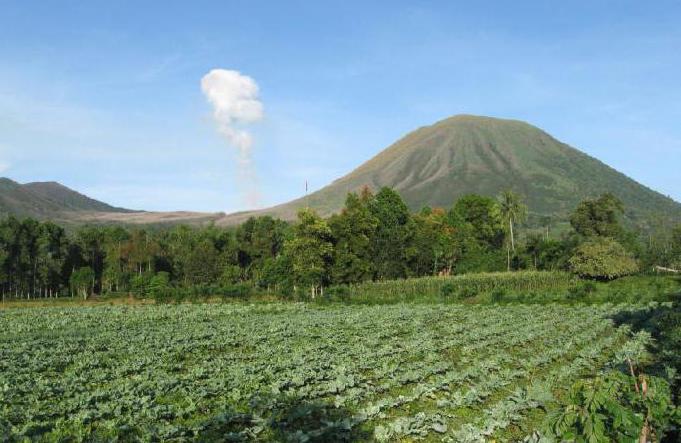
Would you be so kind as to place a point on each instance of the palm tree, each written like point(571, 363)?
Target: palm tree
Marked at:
point(513, 210)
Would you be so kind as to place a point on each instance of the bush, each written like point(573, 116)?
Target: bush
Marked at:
point(582, 291)
point(451, 290)
point(602, 259)
point(497, 296)
point(448, 289)
point(159, 285)
point(338, 292)
point(465, 293)
point(139, 284)
point(82, 281)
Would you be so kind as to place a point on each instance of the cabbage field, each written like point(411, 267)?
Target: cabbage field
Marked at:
point(296, 372)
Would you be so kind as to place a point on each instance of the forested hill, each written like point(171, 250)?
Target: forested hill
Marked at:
point(44, 200)
point(435, 165)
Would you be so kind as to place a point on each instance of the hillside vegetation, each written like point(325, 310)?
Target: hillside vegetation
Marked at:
point(45, 200)
point(435, 165)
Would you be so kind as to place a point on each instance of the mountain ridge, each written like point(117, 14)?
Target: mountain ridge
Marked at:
point(436, 164)
point(430, 166)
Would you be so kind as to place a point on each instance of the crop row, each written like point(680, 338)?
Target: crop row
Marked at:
point(252, 371)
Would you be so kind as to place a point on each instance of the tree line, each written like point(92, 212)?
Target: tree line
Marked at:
point(374, 237)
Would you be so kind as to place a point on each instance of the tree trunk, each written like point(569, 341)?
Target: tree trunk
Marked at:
point(510, 223)
point(508, 258)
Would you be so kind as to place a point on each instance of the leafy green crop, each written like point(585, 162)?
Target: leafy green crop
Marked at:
point(294, 372)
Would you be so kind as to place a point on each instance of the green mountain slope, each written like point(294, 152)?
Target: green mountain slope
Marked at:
point(68, 199)
point(47, 200)
point(435, 165)
point(56, 202)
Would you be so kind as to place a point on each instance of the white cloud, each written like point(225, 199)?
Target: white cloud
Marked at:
point(235, 102)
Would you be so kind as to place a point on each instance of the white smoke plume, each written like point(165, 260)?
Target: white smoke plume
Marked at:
point(235, 102)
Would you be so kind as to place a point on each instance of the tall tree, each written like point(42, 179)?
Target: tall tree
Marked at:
point(394, 234)
point(483, 215)
point(353, 232)
point(51, 250)
point(435, 247)
point(513, 211)
point(676, 246)
point(92, 241)
point(115, 275)
point(259, 239)
point(598, 217)
point(203, 264)
point(310, 251)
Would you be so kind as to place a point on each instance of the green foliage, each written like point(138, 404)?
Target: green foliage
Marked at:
point(463, 286)
point(374, 238)
point(547, 254)
point(483, 217)
point(497, 295)
point(394, 234)
point(451, 290)
point(277, 275)
point(159, 285)
point(353, 231)
point(598, 217)
point(259, 239)
point(82, 281)
point(581, 291)
point(310, 251)
point(203, 264)
point(513, 211)
point(139, 284)
point(448, 289)
point(338, 293)
point(602, 258)
point(607, 408)
point(435, 245)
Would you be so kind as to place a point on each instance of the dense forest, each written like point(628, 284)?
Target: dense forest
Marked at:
point(374, 238)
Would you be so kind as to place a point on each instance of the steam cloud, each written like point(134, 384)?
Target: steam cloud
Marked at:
point(234, 98)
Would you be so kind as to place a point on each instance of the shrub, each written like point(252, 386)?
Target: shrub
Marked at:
point(139, 284)
point(159, 285)
point(458, 292)
point(465, 292)
point(82, 281)
point(602, 259)
point(337, 292)
point(582, 291)
point(497, 295)
point(448, 289)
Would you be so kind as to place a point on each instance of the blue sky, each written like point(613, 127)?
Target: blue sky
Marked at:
point(105, 96)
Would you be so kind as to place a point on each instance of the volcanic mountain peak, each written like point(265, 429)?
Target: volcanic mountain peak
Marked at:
point(434, 165)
